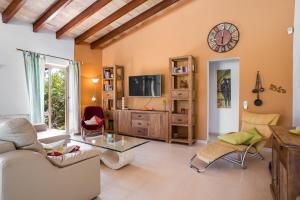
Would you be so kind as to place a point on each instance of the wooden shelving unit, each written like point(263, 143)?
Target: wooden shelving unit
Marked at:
point(182, 99)
point(112, 93)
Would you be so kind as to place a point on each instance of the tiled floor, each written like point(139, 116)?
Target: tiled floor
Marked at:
point(161, 172)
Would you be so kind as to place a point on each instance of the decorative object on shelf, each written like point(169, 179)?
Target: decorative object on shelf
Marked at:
point(108, 87)
point(165, 104)
point(278, 89)
point(224, 88)
point(180, 69)
point(223, 37)
point(184, 111)
point(296, 130)
point(107, 74)
point(184, 84)
point(258, 89)
point(95, 81)
point(123, 103)
point(182, 100)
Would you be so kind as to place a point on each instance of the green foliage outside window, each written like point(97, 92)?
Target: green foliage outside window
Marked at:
point(57, 98)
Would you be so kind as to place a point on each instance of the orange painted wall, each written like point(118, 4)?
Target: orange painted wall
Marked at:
point(264, 46)
point(90, 68)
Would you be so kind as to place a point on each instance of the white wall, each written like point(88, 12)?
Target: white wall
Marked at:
point(223, 120)
point(296, 61)
point(13, 91)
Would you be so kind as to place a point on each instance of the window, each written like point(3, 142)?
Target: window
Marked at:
point(55, 93)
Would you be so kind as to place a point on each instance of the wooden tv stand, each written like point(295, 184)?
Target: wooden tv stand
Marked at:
point(141, 123)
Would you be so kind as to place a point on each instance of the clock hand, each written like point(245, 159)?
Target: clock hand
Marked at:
point(222, 37)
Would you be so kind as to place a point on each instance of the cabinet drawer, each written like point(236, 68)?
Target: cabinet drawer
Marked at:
point(180, 94)
point(108, 95)
point(140, 123)
point(179, 119)
point(140, 131)
point(140, 116)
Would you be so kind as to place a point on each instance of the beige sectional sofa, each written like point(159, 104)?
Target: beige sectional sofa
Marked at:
point(27, 173)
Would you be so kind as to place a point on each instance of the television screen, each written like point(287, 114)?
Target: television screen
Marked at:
point(145, 86)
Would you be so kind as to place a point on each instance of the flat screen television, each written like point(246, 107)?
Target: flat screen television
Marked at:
point(145, 86)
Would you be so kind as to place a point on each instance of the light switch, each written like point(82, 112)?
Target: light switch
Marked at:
point(245, 105)
point(290, 30)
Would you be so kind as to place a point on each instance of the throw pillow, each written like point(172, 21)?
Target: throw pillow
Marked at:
point(59, 151)
point(91, 121)
point(99, 120)
point(236, 138)
point(256, 136)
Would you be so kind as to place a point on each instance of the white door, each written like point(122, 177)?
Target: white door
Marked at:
point(223, 96)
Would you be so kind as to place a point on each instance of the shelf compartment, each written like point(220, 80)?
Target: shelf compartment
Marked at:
point(180, 81)
point(180, 107)
point(179, 132)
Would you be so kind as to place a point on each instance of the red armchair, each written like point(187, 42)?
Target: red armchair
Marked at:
point(90, 112)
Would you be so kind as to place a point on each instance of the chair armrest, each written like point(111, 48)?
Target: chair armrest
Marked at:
point(73, 158)
point(6, 146)
point(64, 137)
point(22, 159)
point(40, 127)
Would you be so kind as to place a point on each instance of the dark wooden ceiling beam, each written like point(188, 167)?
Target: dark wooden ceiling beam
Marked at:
point(12, 9)
point(138, 19)
point(108, 20)
point(92, 9)
point(49, 14)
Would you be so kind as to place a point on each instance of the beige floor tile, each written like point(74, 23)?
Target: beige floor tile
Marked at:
point(160, 171)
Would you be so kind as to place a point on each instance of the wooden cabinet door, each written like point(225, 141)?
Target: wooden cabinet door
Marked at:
point(283, 176)
point(124, 122)
point(158, 126)
point(155, 125)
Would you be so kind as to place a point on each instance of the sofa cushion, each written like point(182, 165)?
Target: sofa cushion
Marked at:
point(36, 146)
point(20, 132)
point(6, 147)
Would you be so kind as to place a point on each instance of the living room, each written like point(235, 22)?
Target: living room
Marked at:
point(149, 99)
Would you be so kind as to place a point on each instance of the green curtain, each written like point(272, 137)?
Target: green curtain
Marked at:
point(74, 98)
point(34, 69)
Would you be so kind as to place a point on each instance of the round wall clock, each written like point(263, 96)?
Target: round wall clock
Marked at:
point(223, 37)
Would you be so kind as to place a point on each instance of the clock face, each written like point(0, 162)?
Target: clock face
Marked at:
point(223, 37)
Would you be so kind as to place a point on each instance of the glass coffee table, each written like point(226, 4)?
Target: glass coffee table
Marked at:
point(117, 150)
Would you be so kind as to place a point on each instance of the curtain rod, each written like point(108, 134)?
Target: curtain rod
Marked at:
point(49, 55)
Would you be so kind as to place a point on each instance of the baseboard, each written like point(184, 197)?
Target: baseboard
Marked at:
point(201, 141)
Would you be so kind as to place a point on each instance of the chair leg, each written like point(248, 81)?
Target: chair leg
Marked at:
point(199, 170)
point(202, 169)
point(83, 133)
point(257, 156)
